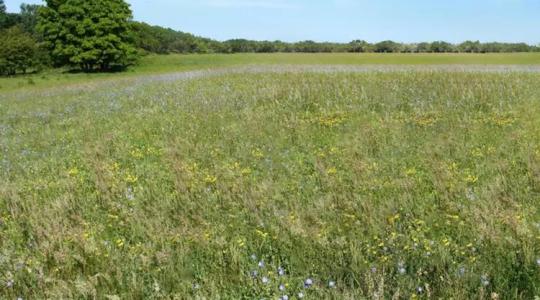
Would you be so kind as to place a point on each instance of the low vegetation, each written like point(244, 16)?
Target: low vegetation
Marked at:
point(305, 183)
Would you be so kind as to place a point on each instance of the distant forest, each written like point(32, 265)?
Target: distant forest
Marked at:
point(100, 35)
point(156, 39)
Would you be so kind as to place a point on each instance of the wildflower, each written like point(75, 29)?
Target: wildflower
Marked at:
point(254, 273)
point(401, 268)
point(265, 280)
point(196, 286)
point(120, 243)
point(281, 271)
point(538, 261)
point(461, 271)
point(471, 179)
point(131, 178)
point(282, 287)
point(420, 290)
point(373, 270)
point(331, 284)
point(10, 283)
point(261, 264)
point(484, 280)
point(284, 297)
point(470, 194)
point(129, 194)
point(73, 171)
point(301, 295)
point(331, 171)
point(308, 283)
point(209, 179)
point(253, 257)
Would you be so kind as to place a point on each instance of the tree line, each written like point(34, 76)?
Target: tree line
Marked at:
point(101, 35)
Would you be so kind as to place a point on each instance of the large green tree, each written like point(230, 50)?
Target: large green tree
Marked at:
point(18, 51)
point(91, 34)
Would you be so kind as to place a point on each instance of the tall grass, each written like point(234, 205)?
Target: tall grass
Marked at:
point(378, 185)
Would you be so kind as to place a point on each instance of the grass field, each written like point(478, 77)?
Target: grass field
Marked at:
point(159, 64)
point(254, 184)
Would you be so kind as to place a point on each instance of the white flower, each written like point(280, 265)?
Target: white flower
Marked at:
point(332, 284)
point(301, 295)
point(484, 280)
point(281, 271)
point(265, 280)
point(129, 194)
point(281, 287)
point(261, 264)
point(308, 282)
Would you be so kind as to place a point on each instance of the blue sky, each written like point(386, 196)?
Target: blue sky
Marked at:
point(345, 20)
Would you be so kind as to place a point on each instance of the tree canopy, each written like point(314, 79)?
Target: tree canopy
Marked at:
point(18, 51)
point(89, 34)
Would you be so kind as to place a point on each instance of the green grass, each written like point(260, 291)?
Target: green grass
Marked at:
point(382, 182)
point(157, 64)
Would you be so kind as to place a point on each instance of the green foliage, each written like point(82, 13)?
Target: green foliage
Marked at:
point(387, 47)
point(18, 51)
point(156, 39)
point(88, 34)
point(28, 17)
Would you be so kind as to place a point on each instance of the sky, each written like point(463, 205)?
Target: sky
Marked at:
point(344, 20)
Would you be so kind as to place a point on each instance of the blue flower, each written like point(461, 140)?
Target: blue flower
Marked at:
point(308, 283)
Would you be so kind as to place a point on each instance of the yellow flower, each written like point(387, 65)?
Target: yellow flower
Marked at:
point(209, 179)
point(471, 179)
point(411, 172)
point(73, 171)
point(257, 153)
point(131, 178)
point(137, 153)
point(331, 171)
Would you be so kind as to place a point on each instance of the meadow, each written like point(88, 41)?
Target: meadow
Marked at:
point(163, 64)
point(282, 182)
